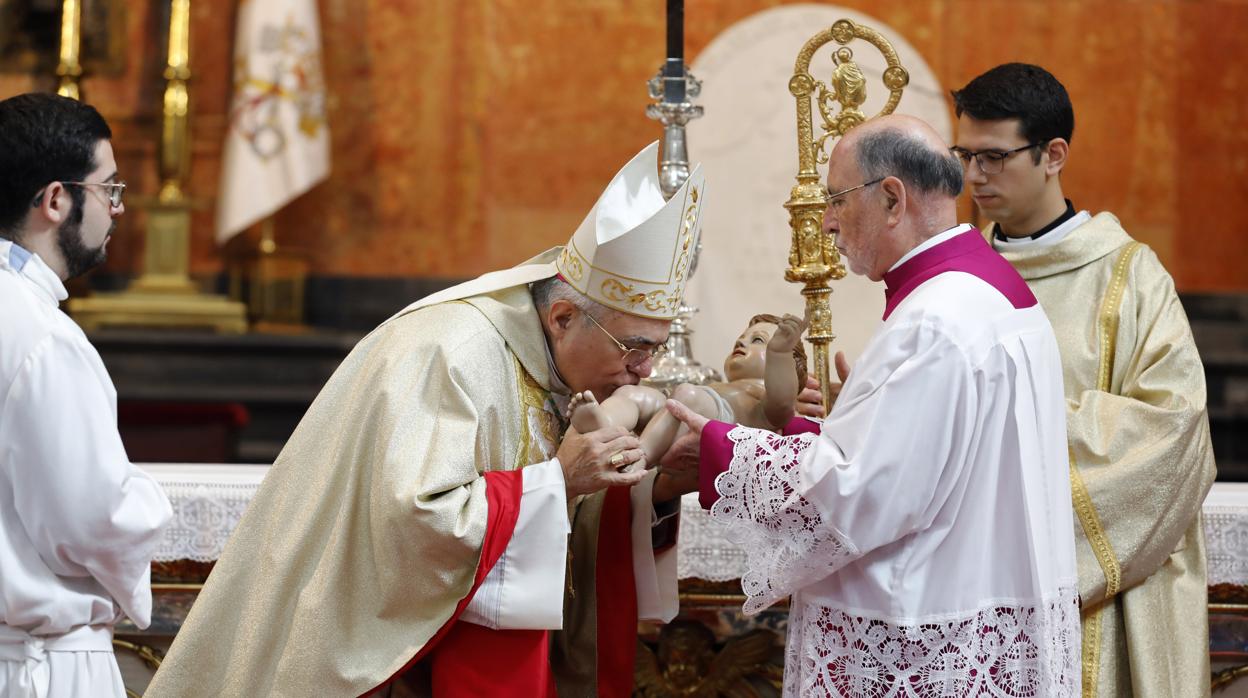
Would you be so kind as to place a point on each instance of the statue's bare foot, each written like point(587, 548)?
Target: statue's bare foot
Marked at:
point(636, 466)
point(587, 414)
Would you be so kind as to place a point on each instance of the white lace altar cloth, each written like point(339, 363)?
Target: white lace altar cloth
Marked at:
point(208, 501)
point(1226, 533)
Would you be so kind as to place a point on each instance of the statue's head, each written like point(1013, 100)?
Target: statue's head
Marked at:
point(749, 353)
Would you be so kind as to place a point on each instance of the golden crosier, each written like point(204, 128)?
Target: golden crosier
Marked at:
point(813, 259)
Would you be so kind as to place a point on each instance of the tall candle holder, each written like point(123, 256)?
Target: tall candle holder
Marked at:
point(69, 65)
point(673, 88)
point(164, 295)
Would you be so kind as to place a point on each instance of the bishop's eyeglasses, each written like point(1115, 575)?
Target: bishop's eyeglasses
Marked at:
point(632, 357)
point(990, 161)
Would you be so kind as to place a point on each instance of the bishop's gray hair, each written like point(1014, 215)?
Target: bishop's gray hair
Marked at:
point(547, 291)
point(891, 152)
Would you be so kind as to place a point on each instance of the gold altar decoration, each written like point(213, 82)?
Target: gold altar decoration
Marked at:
point(69, 69)
point(271, 280)
point(813, 258)
point(688, 663)
point(164, 295)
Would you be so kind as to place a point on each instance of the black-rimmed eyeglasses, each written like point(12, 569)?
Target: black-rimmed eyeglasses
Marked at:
point(990, 161)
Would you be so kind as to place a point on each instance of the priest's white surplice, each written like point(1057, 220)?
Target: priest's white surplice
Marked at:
point(925, 531)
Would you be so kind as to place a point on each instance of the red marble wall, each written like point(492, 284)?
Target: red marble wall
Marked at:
point(468, 134)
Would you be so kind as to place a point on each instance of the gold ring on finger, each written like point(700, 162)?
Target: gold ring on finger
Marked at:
point(618, 459)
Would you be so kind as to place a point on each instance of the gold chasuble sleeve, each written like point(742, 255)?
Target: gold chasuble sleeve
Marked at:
point(368, 529)
point(1140, 443)
point(1142, 463)
point(1141, 458)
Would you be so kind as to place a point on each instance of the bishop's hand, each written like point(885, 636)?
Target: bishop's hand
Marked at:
point(590, 461)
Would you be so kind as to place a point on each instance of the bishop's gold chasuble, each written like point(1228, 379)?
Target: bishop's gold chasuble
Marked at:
point(1140, 456)
point(368, 530)
point(400, 487)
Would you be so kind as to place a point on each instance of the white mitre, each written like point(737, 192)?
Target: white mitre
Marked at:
point(631, 253)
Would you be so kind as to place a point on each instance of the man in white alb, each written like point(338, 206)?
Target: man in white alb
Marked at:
point(924, 529)
point(78, 522)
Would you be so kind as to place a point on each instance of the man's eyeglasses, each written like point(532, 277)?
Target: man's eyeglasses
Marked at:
point(115, 190)
point(990, 161)
point(838, 199)
point(632, 357)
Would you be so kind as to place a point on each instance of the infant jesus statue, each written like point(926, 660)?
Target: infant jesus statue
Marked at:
point(765, 371)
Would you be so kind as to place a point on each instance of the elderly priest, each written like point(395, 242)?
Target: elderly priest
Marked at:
point(924, 529)
point(412, 537)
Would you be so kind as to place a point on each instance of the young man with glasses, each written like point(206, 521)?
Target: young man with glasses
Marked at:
point(78, 522)
point(1141, 460)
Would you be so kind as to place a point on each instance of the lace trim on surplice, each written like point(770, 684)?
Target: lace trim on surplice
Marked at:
point(1005, 649)
point(787, 545)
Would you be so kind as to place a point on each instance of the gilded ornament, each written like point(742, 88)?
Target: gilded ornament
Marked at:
point(571, 264)
point(843, 31)
point(615, 290)
point(896, 77)
point(688, 222)
point(813, 260)
point(801, 85)
point(687, 663)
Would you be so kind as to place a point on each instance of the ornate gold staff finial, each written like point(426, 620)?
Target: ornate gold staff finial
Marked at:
point(813, 259)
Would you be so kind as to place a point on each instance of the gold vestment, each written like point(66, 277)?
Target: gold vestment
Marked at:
point(1141, 458)
point(368, 529)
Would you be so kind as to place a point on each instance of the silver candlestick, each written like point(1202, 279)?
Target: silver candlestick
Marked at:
point(673, 87)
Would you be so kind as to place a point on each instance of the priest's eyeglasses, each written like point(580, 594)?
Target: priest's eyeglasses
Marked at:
point(632, 357)
point(990, 161)
point(837, 200)
point(115, 190)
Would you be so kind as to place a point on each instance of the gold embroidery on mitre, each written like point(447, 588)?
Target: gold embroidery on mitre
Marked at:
point(687, 241)
point(615, 290)
point(570, 263)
